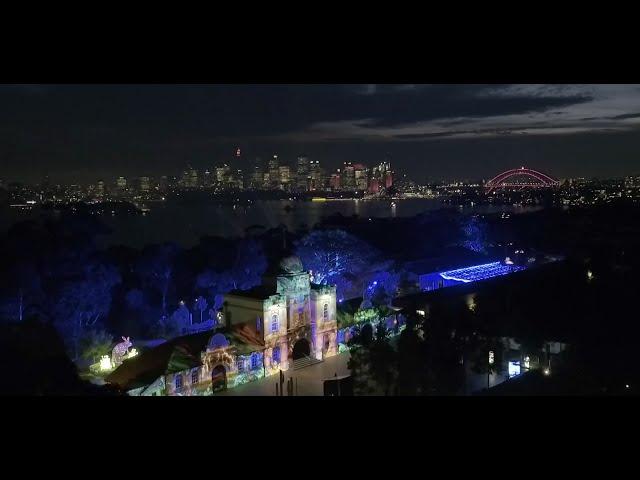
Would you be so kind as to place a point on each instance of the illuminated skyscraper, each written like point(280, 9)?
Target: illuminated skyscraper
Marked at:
point(316, 176)
point(334, 181)
point(285, 176)
point(360, 176)
point(257, 178)
point(100, 190)
point(348, 176)
point(144, 184)
point(222, 174)
point(302, 174)
point(274, 172)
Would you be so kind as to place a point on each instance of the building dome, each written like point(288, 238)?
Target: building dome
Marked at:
point(290, 265)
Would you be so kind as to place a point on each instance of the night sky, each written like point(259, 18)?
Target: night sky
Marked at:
point(86, 132)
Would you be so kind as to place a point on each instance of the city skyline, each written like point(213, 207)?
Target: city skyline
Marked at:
point(81, 133)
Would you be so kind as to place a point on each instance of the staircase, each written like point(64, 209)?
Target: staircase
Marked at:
point(304, 362)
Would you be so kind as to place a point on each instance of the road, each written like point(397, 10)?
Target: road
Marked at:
point(309, 379)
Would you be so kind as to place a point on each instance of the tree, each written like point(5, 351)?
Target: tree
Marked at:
point(410, 367)
point(156, 268)
point(474, 234)
point(81, 304)
point(333, 256)
point(382, 287)
point(177, 322)
point(249, 265)
point(96, 343)
point(383, 358)
point(201, 305)
point(359, 365)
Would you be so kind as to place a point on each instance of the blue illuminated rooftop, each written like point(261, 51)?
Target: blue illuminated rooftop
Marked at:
point(480, 272)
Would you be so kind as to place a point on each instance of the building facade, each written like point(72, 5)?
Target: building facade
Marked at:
point(260, 332)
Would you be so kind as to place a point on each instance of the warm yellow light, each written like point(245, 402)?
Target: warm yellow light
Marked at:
point(105, 363)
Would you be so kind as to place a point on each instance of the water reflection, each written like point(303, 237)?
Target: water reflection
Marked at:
point(185, 224)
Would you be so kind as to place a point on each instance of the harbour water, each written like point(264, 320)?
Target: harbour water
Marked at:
point(186, 223)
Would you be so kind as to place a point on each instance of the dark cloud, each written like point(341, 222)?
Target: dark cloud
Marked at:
point(106, 130)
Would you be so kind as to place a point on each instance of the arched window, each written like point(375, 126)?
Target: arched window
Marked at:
point(178, 381)
point(255, 360)
point(275, 355)
point(274, 324)
point(194, 377)
point(325, 312)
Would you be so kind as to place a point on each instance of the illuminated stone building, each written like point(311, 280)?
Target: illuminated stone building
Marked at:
point(294, 318)
point(285, 323)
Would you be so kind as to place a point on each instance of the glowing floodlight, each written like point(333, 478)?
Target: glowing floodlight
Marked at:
point(105, 363)
point(547, 371)
point(514, 369)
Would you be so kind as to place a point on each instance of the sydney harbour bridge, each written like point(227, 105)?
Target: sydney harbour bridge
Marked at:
point(521, 178)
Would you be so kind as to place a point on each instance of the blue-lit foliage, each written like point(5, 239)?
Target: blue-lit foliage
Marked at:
point(246, 272)
point(474, 234)
point(382, 287)
point(335, 258)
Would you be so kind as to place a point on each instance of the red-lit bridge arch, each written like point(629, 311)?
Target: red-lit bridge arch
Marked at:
point(534, 178)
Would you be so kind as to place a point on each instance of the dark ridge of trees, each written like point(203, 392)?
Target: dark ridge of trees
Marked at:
point(52, 271)
point(33, 361)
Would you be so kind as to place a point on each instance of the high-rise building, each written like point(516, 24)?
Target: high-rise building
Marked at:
point(100, 189)
point(334, 181)
point(285, 176)
point(237, 180)
point(208, 179)
point(360, 176)
point(144, 184)
point(257, 178)
point(316, 176)
point(274, 172)
point(222, 174)
point(374, 185)
point(164, 183)
point(388, 179)
point(302, 174)
point(121, 183)
point(193, 178)
point(348, 176)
